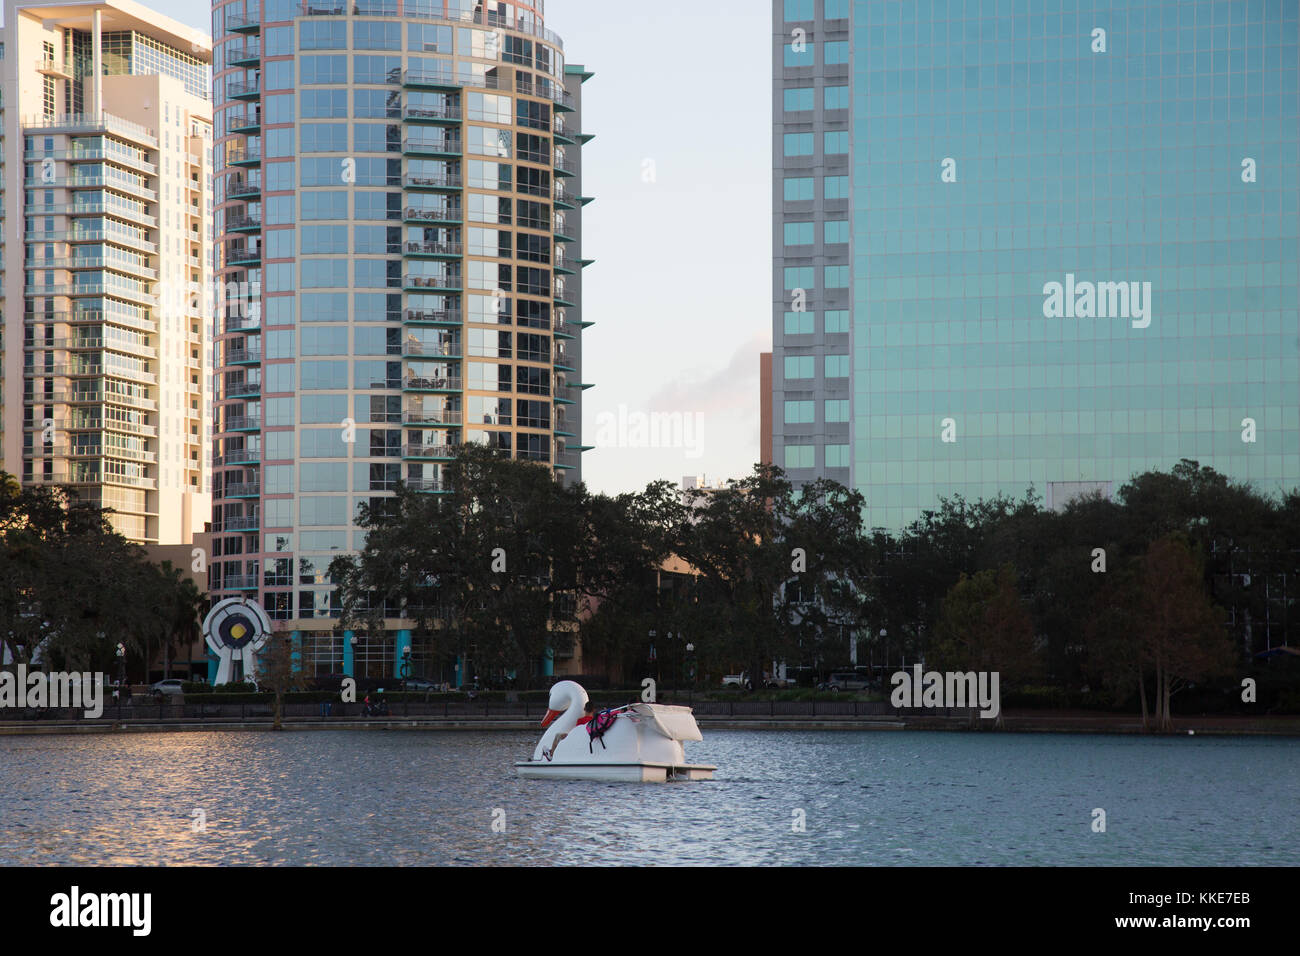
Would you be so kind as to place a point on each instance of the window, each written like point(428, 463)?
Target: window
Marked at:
point(325, 204)
point(798, 10)
point(320, 70)
point(376, 35)
point(427, 38)
point(801, 99)
point(837, 366)
point(324, 240)
point(799, 233)
point(322, 443)
point(837, 409)
point(800, 413)
point(325, 340)
point(835, 98)
point(799, 323)
point(376, 104)
point(799, 366)
point(376, 69)
point(279, 109)
point(837, 51)
point(324, 273)
point(837, 456)
point(836, 10)
point(835, 141)
point(375, 138)
point(325, 375)
point(376, 205)
point(324, 137)
point(799, 456)
point(837, 320)
point(799, 189)
point(800, 53)
point(798, 144)
point(278, 75)
point(326, 307)
point(836, 277)
point(797, 277)
point(324, 476)
point(835, 230)
point(325, 104)
point(324, 35)
point(323, 511)
point(835, 187)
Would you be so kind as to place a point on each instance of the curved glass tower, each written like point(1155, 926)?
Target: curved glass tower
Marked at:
point(398, 225)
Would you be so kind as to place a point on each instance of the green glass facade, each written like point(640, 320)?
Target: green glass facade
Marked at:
point(1000, 146)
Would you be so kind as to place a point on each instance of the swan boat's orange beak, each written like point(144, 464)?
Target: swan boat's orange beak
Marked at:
point(550, 717)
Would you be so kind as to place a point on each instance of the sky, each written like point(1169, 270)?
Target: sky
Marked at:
point(680, 168)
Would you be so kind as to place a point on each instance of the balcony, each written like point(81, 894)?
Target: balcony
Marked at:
point(432, 248)
point(431, 146)
point(238, 23)
point(247, 489)
point(53, 68)
point(242, 523)
point(243, 255)
point(91, 123)
point(243, 423)
point(428, 451)
point(123, 184)
point(239, 456)
point(248, 55)
point(566, 459)
point(440, 214)
point(243, 390)
point(417, 349)
point(238, 356)
point(450, 181)
point(561, 327)
point(565, 394)
point(432, 316)
point(243, 223)
point(248, 124)
point(239, 582)
point(565, 167)
point(447, 383)
point(238, 155)
point(449, 283)
point(432, 416)
point(237, 187)
point(425, 484)
point(445, 113)
point(243, 90)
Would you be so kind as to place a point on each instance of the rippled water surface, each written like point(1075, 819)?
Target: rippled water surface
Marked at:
point(428, 797)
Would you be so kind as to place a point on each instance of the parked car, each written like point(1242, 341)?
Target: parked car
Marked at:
point(846, 680)
point(166, 688)
point(421, 684)
point(738, 680)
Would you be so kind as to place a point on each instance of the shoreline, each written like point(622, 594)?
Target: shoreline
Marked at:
point(1019, 723)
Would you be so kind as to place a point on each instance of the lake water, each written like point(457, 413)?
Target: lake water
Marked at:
point(429, 797)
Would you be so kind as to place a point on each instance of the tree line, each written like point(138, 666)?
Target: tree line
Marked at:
point(1180, 580)
point(72, 588)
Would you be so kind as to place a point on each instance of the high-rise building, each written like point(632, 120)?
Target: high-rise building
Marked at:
point(104, 368)
point(1048, 244)
point(399, 224)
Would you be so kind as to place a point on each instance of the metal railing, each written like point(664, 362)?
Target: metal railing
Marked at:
point(446, 316)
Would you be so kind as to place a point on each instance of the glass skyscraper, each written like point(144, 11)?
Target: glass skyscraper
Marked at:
point(1071, 236)
point(399, 225)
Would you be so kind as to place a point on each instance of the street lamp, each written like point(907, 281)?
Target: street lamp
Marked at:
point(405, 670)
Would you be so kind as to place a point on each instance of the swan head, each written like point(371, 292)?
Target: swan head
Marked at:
point(564, 695)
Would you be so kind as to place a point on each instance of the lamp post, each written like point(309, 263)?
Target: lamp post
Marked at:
point(121, 664)
point(690, 668)
point(405, 670)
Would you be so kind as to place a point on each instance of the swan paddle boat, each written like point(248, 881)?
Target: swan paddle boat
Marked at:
point(637, 743)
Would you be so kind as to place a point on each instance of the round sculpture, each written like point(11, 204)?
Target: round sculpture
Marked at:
point(235, 629)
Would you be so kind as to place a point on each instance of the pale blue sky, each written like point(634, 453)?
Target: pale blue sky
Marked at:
point(679, 292)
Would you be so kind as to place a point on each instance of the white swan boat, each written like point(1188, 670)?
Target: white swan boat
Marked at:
point(643, 744)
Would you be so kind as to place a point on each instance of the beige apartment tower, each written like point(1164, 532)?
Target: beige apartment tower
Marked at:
point(105, 359)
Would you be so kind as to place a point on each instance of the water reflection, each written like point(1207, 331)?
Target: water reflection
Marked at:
point(425, 797)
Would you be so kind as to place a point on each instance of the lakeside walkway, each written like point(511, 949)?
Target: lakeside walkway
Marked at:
point(1014, 722)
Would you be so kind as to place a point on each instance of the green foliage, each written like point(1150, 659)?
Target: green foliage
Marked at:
point(75, 588)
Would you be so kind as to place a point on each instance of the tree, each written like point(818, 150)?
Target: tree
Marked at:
point(984, 627)
point(277, 670)
point(1182, 632)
